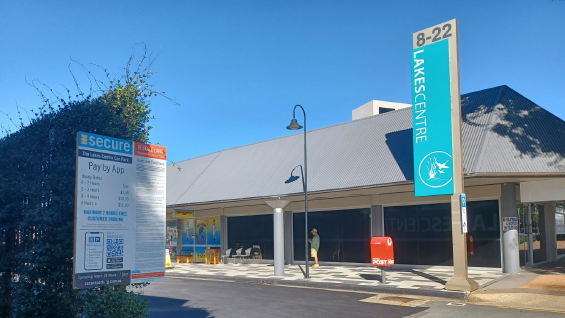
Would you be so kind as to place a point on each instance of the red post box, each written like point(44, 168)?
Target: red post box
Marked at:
point(382, 251)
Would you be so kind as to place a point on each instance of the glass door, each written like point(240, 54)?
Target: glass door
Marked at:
point(560, 228)
point(529, 235)
point(523, 234)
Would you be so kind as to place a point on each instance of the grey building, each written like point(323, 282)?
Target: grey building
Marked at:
point(360, 181)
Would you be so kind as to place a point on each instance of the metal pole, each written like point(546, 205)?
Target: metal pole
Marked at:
point(305, 198)
point(522, 217)
point(305, 186)
point(530, 240)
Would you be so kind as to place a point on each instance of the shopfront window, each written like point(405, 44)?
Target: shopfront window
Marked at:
point(200, 234)
point(422, 234)
point(172, 236)
point(344, 235)
point(560, 228)
point(484, 230)
point(255, 232)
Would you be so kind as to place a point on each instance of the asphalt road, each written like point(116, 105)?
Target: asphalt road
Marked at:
point(178, 297)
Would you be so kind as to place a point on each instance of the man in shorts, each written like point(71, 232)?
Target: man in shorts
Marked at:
point(314, 247)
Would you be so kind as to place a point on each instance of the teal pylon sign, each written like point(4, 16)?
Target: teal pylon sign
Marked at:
point(431, 120)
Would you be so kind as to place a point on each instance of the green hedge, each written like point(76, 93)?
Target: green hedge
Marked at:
point(37, 189)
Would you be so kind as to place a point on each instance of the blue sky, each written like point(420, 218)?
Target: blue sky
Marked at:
point(237, 68)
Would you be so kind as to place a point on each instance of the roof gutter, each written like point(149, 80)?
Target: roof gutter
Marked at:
point(515, 174)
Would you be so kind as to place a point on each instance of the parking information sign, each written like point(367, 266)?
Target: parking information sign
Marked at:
point(463, 212)
point(120, 218)
point(509, 223)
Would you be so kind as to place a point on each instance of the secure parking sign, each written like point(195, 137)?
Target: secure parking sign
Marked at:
point(431, 120)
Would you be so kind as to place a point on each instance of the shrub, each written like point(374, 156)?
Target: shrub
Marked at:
point(112, 302)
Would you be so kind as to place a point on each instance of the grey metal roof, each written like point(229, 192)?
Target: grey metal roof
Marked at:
point(503, 132)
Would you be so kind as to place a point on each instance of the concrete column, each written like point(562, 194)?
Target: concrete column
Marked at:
point(510, 242)
point(460, 280)
point(547, 230)
point(278, 233)
point(377, 220)
point(288, 247)
point(223, 233)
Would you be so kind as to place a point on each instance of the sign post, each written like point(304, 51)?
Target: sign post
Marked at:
point(120, 217)
point(436, 109)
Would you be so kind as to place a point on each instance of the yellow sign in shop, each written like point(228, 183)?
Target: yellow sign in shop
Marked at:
point(183, 214)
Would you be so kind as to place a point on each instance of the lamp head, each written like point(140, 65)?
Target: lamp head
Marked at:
point(293, 125)
point(292, 179)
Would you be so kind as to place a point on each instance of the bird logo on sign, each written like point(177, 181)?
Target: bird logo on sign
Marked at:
point(436, 169)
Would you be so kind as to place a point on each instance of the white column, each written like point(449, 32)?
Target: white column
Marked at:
point(278, 233)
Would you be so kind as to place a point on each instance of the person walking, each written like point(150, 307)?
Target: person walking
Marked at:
point(314, 247)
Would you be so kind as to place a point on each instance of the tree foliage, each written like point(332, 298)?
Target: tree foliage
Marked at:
point(37, 192)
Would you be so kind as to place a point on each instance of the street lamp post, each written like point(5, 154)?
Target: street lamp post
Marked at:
point(295, 126)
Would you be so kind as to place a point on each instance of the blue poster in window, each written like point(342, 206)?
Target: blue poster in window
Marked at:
point(188, 231)
point(431, 120)
point(214, 236)
point(200, 232)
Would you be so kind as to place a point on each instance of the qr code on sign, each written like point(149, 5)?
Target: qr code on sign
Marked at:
point(115, 247)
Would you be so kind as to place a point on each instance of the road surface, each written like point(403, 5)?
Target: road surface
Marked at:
point(180, 297)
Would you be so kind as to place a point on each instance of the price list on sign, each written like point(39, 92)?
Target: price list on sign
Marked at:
point(120, 212)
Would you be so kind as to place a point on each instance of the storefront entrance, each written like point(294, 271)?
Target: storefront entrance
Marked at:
point(199, 234)
point(254, 232)
point(344, 235)
point(532, 232)
point(422, 234)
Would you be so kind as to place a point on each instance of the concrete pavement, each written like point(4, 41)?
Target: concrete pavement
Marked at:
point(540, 287)
point(428, 281)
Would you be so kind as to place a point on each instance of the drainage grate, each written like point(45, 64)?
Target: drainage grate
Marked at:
point(398, 299)
point(395, 301)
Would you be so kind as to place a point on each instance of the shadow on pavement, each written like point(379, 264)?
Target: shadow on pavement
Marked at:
point(549, 268)
point(371, 277)
point(428, 276)
point(162, 307)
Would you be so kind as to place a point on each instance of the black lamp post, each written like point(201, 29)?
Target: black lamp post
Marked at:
point(295, 126)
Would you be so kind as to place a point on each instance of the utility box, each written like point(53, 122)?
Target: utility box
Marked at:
point(382, 251)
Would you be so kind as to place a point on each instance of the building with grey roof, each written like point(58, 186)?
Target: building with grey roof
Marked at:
point(360, 184)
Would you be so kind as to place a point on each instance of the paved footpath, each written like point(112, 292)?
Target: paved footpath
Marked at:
point(429, 281)
point(541, 287)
